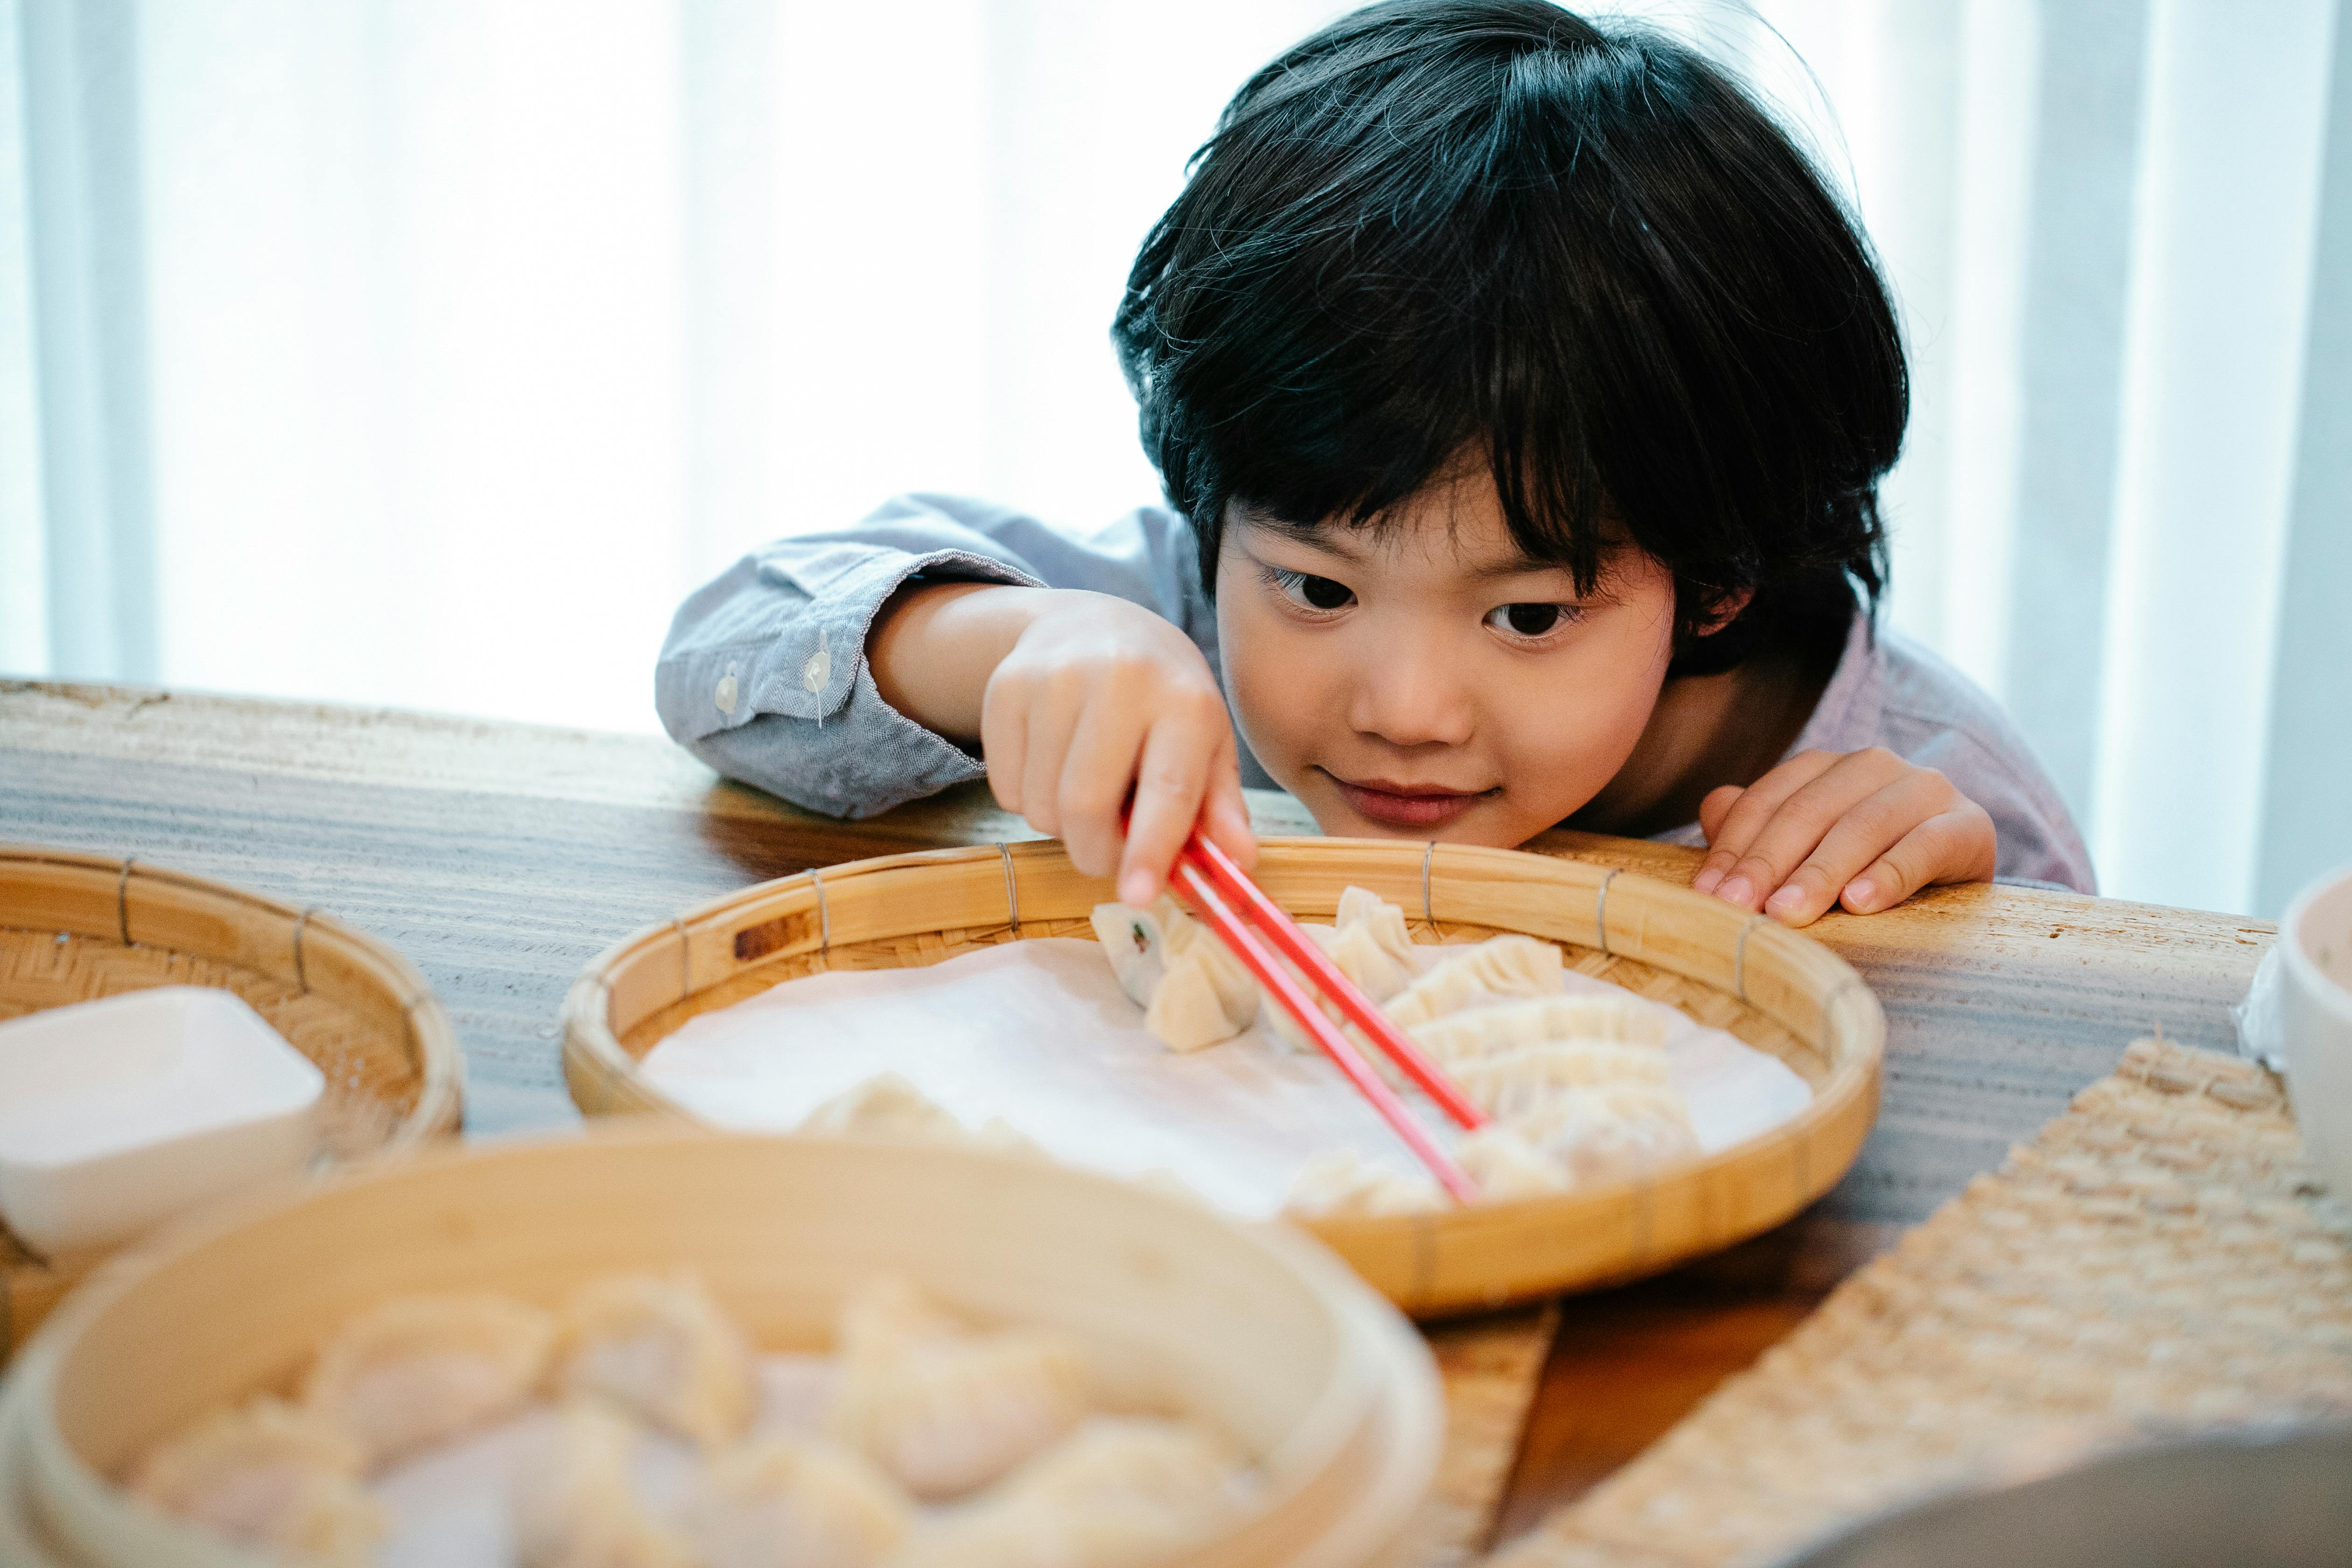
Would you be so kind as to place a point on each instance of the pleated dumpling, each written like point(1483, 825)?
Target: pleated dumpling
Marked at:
point(1122, 1491)
point(576, 1502)
point(1372, 944)
point(1506, 1165)
point(777, 1502)
point(281, 1480)
point(1369, 945)
point(418, 1369)
point(661, 1349)
point(1194, 991)
point(1339, 1182)
point(1494, 971)
point(1524, 1078)
point(1609, 1131)
point(885, 1105)
point(1505, 1026)
point(943, 1407)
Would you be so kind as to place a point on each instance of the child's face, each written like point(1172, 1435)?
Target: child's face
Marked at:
point(1428, 681)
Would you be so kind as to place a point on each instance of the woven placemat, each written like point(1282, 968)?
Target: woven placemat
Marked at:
point(2158, 1256)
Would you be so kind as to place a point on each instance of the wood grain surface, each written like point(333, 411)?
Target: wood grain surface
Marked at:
point(501, 857)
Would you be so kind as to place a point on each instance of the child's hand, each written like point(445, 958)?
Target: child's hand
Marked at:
point(1865, 828)
point(1099, 698)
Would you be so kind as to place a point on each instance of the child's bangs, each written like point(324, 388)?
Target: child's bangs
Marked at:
point(1420, 415)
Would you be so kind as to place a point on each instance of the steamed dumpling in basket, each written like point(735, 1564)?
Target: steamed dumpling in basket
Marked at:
point(267, 1475)
point(779, 1502)
point(1369, 945)
point(418, 1369)
point(576, 1502)
point(944, 1407)
point(1122, 1490)
point(1193, 990)
point(662, 1350)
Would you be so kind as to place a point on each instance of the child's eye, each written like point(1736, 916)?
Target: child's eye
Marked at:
point(1530, 620)
point(1309, 592)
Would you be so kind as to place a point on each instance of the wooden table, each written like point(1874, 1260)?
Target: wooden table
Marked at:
point(501, 857)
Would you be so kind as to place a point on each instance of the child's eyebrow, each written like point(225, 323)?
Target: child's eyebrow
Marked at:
point(1513, 566)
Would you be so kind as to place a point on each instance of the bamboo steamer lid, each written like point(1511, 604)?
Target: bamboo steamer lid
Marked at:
point(1251, 1327)
point(1774, 988)
point(75, 927)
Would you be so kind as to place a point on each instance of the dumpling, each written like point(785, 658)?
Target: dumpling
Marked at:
point(577, 1505)
point(418, 1369)
point(271, 1476)
point(1493, 970)
point(1506, 1165)
point(1340, 1182)
point(1003, 1137)
point(1194, 991)
point(1609, 1131)
point(885, 1105)
point(1524, 1078)
point(942, 1406)
point(1506, 1026)
point(1123, 1490)
point(1136, 945)
point(1369, 945)
point(662, 1350)
point(781, 1503)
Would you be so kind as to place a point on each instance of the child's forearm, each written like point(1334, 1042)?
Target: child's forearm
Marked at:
point(934, 646)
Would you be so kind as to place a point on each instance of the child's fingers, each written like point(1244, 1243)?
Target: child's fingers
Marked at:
point(1004, 742)
point(1097, 770)
point(1169, 787)
point(1801, 820)
point(1226, 817)
point(1853, 841)
point(1712, 811)
point(1745, 818)
point(1955, 845)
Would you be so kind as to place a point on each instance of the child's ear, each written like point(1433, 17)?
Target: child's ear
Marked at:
point(1725, 611)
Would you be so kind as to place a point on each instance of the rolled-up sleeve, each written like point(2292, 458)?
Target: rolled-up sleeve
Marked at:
point(764, 674)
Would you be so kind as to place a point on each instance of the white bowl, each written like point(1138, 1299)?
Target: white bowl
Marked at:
point(2315, 945)
point(119, 1114)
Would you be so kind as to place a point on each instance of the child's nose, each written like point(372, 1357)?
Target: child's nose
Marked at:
point(1411, 697)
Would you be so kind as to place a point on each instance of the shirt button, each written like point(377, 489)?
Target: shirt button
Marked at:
point(725, 696)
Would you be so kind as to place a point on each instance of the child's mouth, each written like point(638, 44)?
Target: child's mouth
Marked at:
point(1406, 804)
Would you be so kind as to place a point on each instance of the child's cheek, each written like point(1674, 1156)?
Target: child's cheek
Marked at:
point(1269, 686)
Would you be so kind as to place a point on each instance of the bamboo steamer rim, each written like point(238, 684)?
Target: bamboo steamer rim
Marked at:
point(135, 904)
point(1348, 1476)
point(1428, 1264)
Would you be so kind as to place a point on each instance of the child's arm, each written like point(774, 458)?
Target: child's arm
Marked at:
point(1076, 700)
point(766, 672)
point(1864, 828)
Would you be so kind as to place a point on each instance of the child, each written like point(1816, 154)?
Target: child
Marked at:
point(1520, 393)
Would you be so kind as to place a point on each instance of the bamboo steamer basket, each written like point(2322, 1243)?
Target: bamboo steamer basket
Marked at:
point(1769, 986)
point(1248, 1326)
point(76, 927)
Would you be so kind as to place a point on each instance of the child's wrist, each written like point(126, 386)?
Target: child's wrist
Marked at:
point(933, 646)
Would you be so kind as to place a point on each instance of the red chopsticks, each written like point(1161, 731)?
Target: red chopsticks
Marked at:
point(1232, 904)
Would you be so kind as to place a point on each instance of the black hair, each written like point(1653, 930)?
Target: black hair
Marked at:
point(1490, 228)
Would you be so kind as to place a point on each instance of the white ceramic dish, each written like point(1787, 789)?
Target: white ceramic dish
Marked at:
point(119, 1114)
point(2315, 945)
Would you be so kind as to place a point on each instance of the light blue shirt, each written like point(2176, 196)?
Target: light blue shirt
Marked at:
point(764, 675)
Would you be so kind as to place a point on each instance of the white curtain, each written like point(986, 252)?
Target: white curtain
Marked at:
point(426, 351)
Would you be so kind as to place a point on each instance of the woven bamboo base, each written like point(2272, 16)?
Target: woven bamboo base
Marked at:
point(2158, 1256)
point(74, 928)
